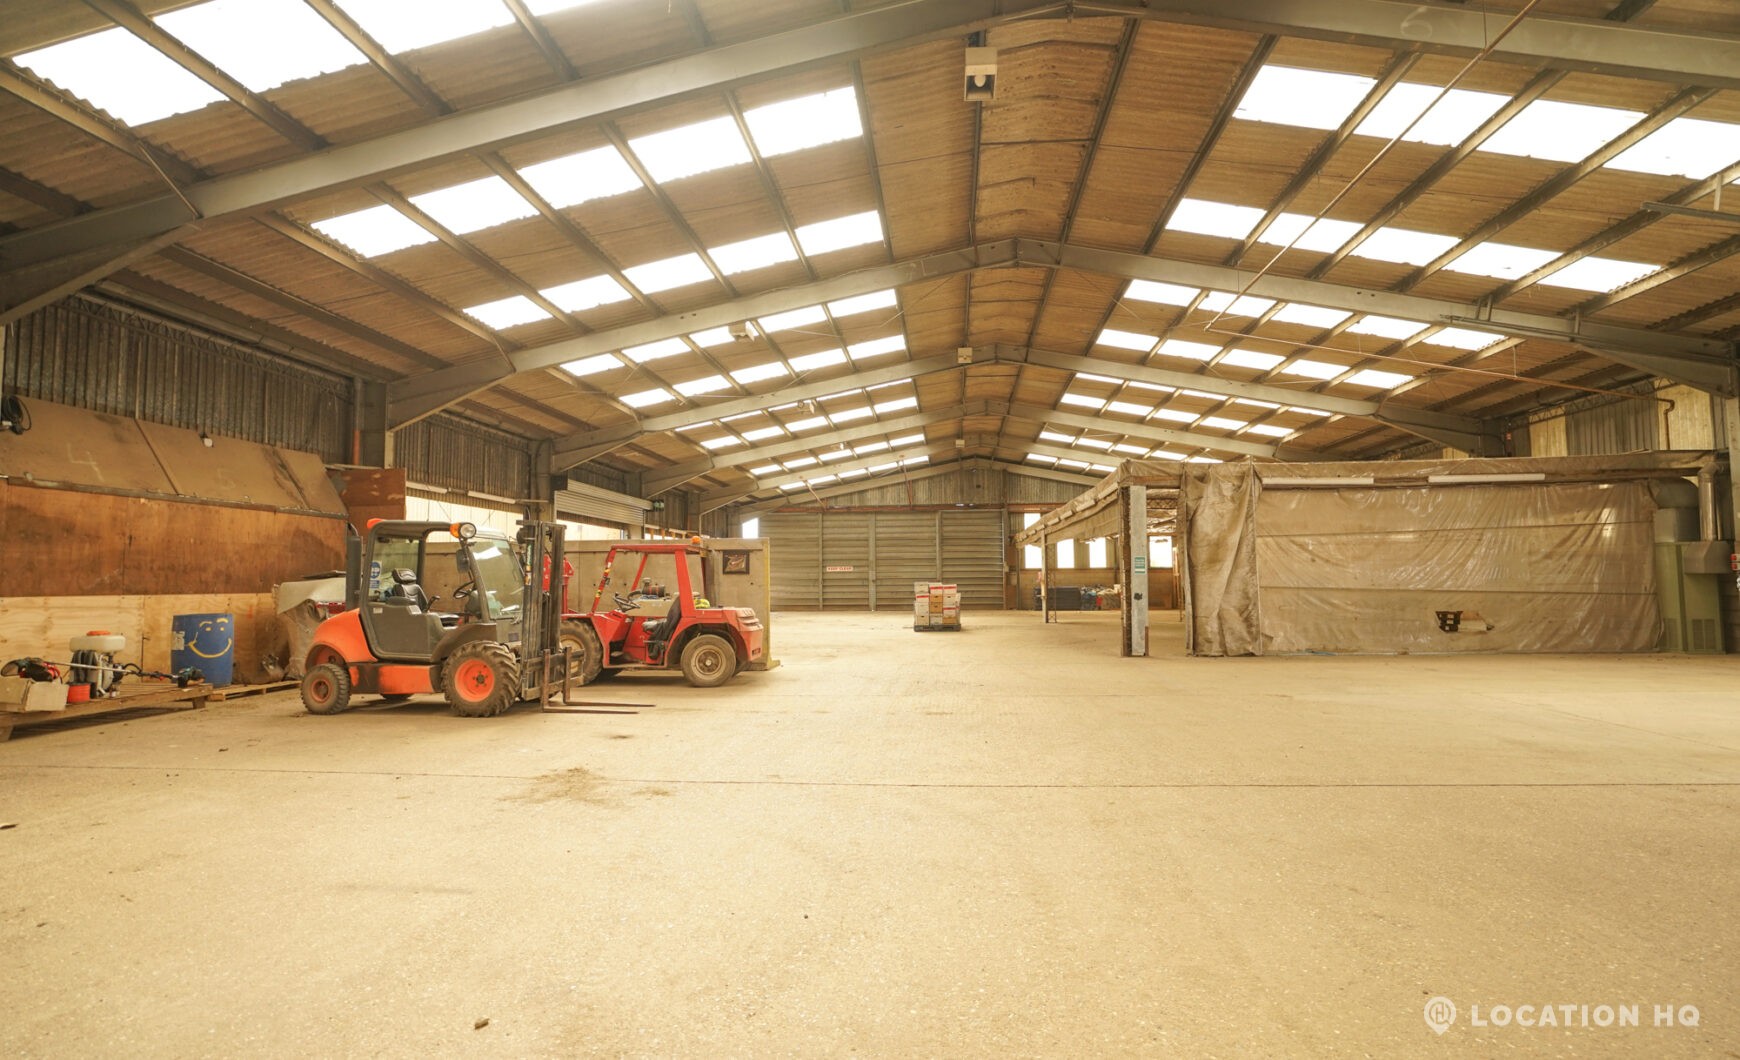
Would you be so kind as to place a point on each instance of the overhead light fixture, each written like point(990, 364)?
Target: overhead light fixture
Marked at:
point(205, 440)
point(981, 75)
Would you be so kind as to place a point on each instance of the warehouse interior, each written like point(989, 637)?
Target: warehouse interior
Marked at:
point(1320, 413)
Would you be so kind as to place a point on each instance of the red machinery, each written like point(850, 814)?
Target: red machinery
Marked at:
point(673, 631)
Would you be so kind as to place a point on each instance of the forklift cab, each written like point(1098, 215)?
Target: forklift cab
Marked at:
point(649, 594)
point(420, 581)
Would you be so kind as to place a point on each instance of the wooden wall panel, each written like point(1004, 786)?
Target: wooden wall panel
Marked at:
point(43, 625)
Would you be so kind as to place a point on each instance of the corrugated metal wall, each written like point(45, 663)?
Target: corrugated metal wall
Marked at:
point(868, 561)
point(454, 454)
point(97, 355)
point(1603, 426)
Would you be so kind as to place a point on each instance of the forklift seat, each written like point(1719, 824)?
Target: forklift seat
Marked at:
point(405, 592)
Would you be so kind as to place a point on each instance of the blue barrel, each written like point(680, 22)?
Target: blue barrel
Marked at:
point(205, 642)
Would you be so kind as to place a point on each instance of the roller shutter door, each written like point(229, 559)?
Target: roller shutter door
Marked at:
point(795, 560)
point(845, 562)
point(972, 557)
point(905, 553)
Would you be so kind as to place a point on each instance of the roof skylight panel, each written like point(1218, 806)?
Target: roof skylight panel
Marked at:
point(760, 252)
point(1450, 121)
point(1303, 232)
point(1224, 424)
point(262, 43)
point(652, 351)
point(1270, 430)
point(1164, 455)
point(1381, 380)
point(399, 26)
point(869, 447)
point(722, 442)
point(602, 362)
point(808, 121)
point(1403, 246)
point(862, 412)
point(1195, 351)
point(837, 454)
point(1201, 460)
point(550, 7)
point(1040, 458)
point(793, 318)
point(1094, 443)
point(802, 461)
point(840, 233)
point(1126, 340)
point(1084, 401)
point(1233, 305)
point(809, 362)
point(1310, 315)
point(1161, 293)
point(474, 205)
point(1599, 274)
point(765, 470)
point(1560, 132)
point(668, 273)
point(656, 396)
point(762, 434)
point(1386, 327)
point(1251, 359)
point(507, 312)
point(1501, 261)
point(1055, 436)
point(121, 74)
point(589, 293)
point(1131, 450)
point(711, 384)
point(1079, 465)
point(583, 177)
point(885, 407)
point(1214, 218)
point(1311, 99)
point(907, 439)
point(1176, 415)
point(1684, 147)
point(691, 149)
point(1461, 338)
point(1313, 369)
point(757, 373)
point(863, 303)
point(877, 347)
point(375, 231)
point(1130, 408)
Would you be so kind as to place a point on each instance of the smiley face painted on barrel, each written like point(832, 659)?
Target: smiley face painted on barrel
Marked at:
point(212, 638)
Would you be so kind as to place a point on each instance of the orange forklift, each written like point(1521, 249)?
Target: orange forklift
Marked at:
point(649, 627)
point(494, 641)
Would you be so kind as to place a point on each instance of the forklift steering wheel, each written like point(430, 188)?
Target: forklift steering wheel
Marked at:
point(462, 591)
point(623, 603)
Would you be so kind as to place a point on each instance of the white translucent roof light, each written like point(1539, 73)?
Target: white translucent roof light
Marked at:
point(121, 74)
point(584, 177)
point(762, 434)
point(680, 271)
point(507, 312)
point(1214, 218)
point(1599, 274)
point(1560, 132)
point(760, 372)
point(1314, 369)
point(1310, 315)
point(1126, 340)
point(1501, 261)
point(1402, 246)
point(1381, 380)
point(1245, 306)
point(691, 149)
point(1386, 327)
point(1312, 99)
point(652, 351)
point(809, 362)
point(1130, 408)
point(863, 303)
point(374, 231)
point(710, 385)
point(793, 318)
point(1684, 147)
point(1449, 121)
point(1162, 293)
point(1083, 401)
point(645, 398)
point(877, 347)
point(262, 43)
point(1196, 351)
point(589, 293)
point(474, 205)
point(1132, 450)
point(603, 362)
point(850, 231)
point(1302, 232)
point(1054, 436)
point(862, 412)
point(722, 442)
point(1222, 423)
point(1270, 430)
point(1251, 359)
point(758, 253)
point(1462, 338)
point(399, 26)
point(792, 125)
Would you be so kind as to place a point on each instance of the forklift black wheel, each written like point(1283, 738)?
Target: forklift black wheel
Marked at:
point(481, 679)
point(586, 654)
point(326, 689)
point(709, 661)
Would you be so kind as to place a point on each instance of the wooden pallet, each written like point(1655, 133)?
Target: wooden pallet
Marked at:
point(165, 698)
point(229, 692)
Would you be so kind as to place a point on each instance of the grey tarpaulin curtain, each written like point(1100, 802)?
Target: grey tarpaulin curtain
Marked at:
point(1219, 528)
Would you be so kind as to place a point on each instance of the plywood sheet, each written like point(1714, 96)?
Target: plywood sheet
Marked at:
point(84, 448)
point(226, 470)
point(44, 625)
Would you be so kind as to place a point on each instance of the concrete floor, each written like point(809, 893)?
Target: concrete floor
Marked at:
point(1005, 841)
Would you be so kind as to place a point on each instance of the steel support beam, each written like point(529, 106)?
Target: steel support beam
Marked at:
point(415, 398)
point(593, 100)
point(579, 448)
point(720, 498)
point(1040, 415)
point(929, 471)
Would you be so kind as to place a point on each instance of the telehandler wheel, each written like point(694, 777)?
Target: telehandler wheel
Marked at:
point(586, 654)
point(326, 689)
point(709, 661)
point(481, 679)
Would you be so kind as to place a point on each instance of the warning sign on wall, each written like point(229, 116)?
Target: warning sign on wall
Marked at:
point(839, 570)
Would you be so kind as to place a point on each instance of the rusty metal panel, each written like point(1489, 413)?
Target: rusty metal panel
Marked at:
point(454, 454)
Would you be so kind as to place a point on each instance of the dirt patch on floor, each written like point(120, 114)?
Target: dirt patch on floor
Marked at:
point(566, 785)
